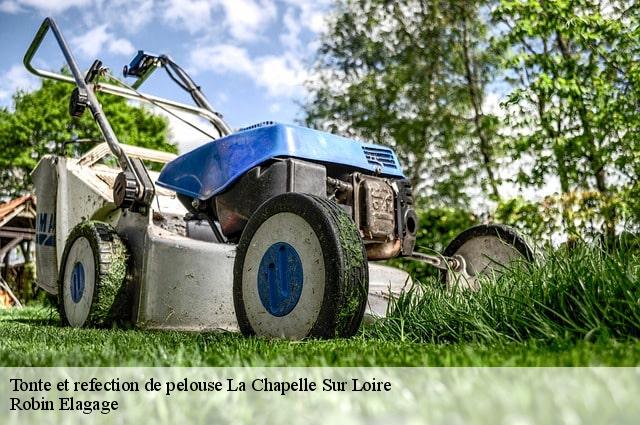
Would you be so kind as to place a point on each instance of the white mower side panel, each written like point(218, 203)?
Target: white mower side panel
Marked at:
point(45, 178)
point(187, 284)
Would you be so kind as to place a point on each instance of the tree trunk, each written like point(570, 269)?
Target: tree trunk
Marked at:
point(475, 95)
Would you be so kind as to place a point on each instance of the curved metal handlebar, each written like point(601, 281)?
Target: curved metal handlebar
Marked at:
point(107, 88)
point(35, 44)
point(79, 81)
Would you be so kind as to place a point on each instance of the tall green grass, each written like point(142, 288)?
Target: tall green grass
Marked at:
point(583, 293)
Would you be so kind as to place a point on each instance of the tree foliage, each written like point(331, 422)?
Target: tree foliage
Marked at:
point(39, 124)
point(575, 68)
point(412, 75)
point(416, 75)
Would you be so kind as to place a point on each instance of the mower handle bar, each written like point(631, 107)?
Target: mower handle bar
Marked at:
point(112, 89)
point(81, 84)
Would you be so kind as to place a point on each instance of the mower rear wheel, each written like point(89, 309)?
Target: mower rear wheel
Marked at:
point(92, 276)
point(487, 250)
point(300, 270)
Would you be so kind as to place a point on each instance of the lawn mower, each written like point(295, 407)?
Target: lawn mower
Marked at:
point(273, 229)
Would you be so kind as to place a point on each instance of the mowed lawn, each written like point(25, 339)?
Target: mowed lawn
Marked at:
point(33, 337)
point(577, 308)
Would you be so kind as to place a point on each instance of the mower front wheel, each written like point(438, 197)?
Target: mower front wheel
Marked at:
point(300, 270)
point(91, 283)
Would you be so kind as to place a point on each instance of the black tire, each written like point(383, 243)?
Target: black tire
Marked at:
point(106, 302)
point(346, 275)
point(506, 234)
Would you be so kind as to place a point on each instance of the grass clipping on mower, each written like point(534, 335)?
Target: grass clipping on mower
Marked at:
point(110, 302)
point(113, 302)
point(351, 244)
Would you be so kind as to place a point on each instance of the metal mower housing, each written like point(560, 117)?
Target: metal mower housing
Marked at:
point(179, 228)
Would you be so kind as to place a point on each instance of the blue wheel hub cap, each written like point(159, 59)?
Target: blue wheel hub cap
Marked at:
point(280, 279)
point(77, 282)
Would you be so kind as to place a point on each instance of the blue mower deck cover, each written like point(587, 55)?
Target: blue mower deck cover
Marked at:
point(210, 169)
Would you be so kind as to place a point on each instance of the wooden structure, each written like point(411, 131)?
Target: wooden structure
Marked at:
point(17, 231)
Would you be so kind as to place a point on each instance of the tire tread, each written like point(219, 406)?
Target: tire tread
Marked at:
point(344, 303)
point(109, 251)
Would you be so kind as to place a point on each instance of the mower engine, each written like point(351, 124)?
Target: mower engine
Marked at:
point(382, 208)
point(295, 159)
